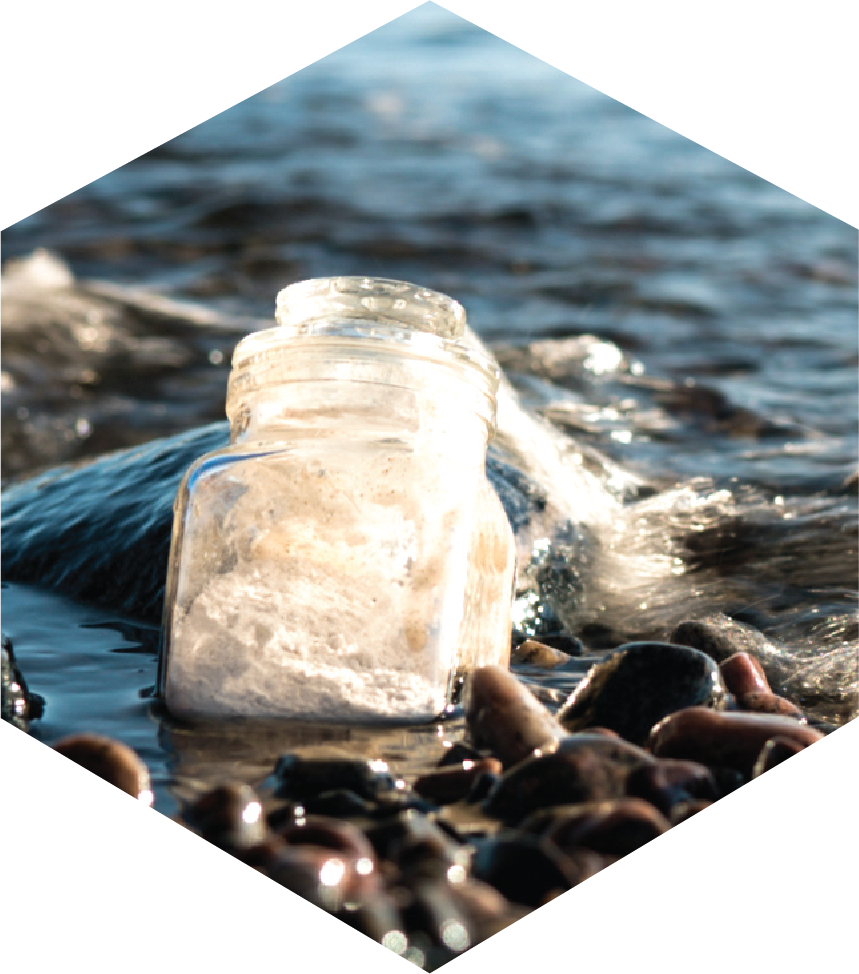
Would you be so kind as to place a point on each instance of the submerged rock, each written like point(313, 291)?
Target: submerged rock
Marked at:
point(638, 685)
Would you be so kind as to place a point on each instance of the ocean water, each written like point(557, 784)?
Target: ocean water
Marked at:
point(723, 312)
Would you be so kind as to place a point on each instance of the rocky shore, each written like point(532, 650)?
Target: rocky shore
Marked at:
point(534, 801)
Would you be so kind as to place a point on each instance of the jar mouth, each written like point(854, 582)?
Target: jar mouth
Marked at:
point(308, 306)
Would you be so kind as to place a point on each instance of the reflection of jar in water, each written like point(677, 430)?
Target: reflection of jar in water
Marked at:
point(345, 557)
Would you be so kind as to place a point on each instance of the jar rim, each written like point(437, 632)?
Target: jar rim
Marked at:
point(303, 306)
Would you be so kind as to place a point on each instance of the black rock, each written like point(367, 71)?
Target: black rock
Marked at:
point(639, 684)
point(303, 778)
point(18, 705)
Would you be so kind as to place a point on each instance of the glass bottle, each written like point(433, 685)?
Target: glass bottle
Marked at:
point(345, 557)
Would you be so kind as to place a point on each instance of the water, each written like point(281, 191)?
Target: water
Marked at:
point(723, 374)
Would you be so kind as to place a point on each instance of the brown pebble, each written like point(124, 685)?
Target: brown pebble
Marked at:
point(730, 739)
point(453, 784)
point(775, 751)
point(504, 716)
point(612, 827)
point(110, 760)
point(769, 703)
point(743, 674)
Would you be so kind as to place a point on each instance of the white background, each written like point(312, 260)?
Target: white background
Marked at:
point(763, 879)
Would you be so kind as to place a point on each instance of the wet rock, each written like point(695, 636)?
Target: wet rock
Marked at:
point(582, 768)
point(721, 638)
point(743, 674)
point(533, 653)
point(18, 704)
point(301, 778)
point(775, 751)
point(110, 760)
point(504, 717)
point(454, 784)
point(732, 738)
point(638, 685)
point(667, 783)
point(763, 702)
point(230, 816)
point(530, 871)
point(614, 828)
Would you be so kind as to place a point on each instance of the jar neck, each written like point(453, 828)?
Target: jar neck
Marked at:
point(363, 355)
point(320, 389)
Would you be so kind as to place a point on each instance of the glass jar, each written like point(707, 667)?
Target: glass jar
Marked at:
point(345, 557)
